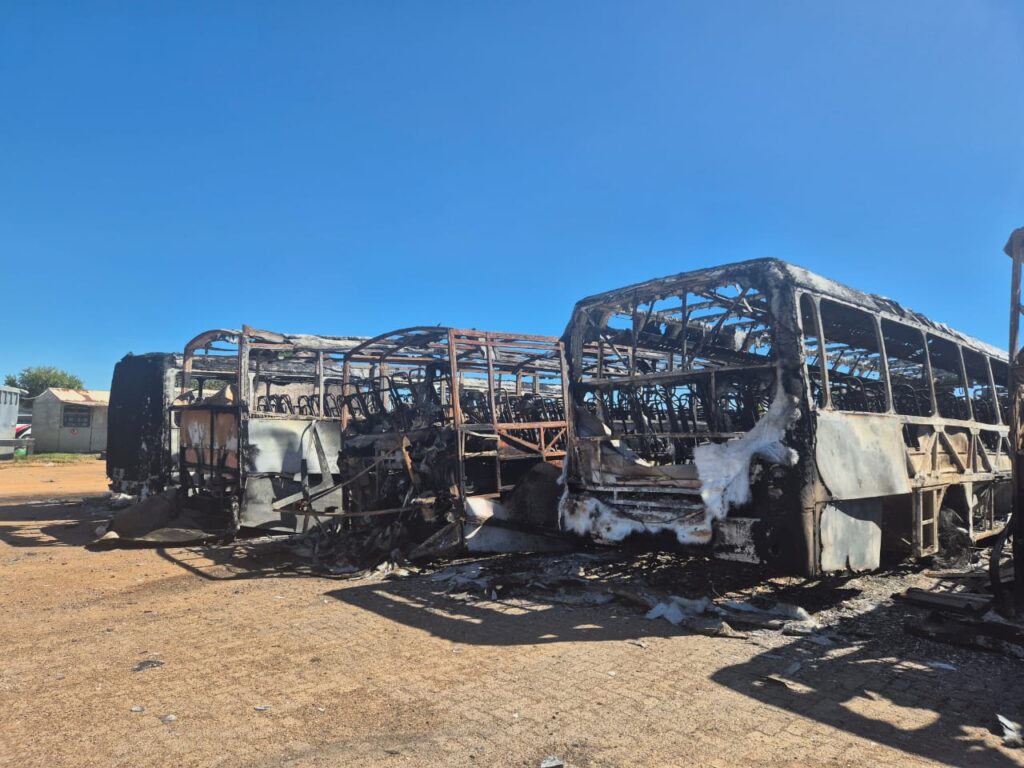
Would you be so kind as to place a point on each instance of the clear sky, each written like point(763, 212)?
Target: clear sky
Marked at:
point(348, 168)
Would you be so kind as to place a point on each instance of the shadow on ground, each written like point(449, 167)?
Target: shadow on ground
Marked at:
point(416, 603)
point(878, 683)
point(49, 523)
point(237, 560)
point(525, 604)
point(865, 676)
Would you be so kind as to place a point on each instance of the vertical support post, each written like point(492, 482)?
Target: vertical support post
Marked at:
point(320, 384)
point(489, 351)
point(1015, 250)
point(186, 372)
point(453, 368)
point(243, 367)
point(345, 373)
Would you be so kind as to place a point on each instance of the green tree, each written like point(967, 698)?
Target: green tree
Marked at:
point(35, 380)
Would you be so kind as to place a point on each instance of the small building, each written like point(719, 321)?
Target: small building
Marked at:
point(10, 397)
point(70, 421)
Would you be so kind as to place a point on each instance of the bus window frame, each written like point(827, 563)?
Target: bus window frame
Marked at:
point(963, 379)
point(883, 373)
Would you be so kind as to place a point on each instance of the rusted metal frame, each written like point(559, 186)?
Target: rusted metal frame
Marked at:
point(525, 444)
point(512, 346)
point(965, 382)
point(822, 353)
point(394, 359)
point(489, 353)
point(502, 338)
point(982, 453)
point(928, 370)
point(269, 346)
point(741, 299)
point(821, 362)
point(1000, 417)
point(242, 409)
point(951, 450)
point(346, 392)
point(365, 513)
point(207, 337)
point(716, 299)
point(883, 363)
point(503, 435)
point(883, 355)
point(602, 340)
point(503, 425)
point(920, 523)
point(636, 330)
point(680, 435)
point(931, 421)
point(400, 339)
point(320, 383)
point(460, 437)
point(666, 377)
point(685, 319)
point(718, 324)
point(568, 407)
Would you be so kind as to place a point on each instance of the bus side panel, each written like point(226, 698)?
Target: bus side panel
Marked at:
point(861, 456)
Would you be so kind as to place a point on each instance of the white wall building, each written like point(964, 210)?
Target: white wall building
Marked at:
point(9, 398)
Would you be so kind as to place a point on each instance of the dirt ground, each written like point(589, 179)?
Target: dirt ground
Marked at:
point(260, 666)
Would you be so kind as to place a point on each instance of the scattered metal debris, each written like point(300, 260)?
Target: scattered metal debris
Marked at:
point(1011, 732)
point(960, 602)
point(978, 633)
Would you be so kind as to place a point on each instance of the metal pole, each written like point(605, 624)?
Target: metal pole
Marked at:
point(1015, 250)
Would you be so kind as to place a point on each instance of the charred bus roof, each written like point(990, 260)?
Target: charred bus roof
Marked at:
point(773, 271)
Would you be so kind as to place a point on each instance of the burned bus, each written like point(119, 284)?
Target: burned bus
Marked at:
point(458, 435)
point(777, 416)
point(142, 439)
point(425, 430)
point(256, 423)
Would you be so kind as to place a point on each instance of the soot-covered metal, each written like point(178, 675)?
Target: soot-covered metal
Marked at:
point(780, 417)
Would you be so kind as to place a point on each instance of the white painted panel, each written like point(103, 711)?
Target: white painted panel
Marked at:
point(851, 536)
point(861, 456)
point(278, 445)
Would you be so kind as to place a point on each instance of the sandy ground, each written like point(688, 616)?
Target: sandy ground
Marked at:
point(40, 481)
point(263, 667)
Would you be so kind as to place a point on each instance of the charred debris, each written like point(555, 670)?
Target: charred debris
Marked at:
point(421, 442)
point(754, 411)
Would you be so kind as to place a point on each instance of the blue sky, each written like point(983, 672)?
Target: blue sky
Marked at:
point(347, 168)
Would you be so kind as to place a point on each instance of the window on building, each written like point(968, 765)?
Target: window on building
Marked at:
point(77, 416)
point(853, 359)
